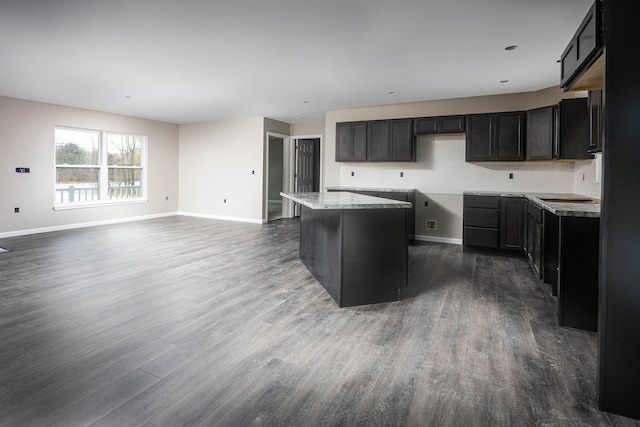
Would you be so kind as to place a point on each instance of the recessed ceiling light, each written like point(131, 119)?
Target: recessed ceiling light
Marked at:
point(391, 92)
point(128, 96)
point(512, 47)
point(504, 81)
point(305, 102)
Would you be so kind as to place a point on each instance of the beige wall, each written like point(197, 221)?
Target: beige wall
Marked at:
point(26, 140)
point(221, 161)
point(440, 174)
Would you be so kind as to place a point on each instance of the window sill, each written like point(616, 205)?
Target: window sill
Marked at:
point(70, 206)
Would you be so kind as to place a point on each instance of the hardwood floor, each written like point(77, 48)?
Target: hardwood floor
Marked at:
point(187, 321)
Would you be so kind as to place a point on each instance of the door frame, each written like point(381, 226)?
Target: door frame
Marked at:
point(294, 167)
point(286, 185)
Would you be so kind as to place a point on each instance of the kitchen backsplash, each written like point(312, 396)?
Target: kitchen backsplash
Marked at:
point(441, 168)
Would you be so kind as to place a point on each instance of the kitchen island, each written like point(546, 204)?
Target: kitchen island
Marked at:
point(356, 246)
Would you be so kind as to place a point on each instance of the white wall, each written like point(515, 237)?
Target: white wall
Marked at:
point(221, 161)
point(440, 174)
point(26, 140)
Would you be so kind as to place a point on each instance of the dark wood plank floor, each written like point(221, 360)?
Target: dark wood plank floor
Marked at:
point(186, 321)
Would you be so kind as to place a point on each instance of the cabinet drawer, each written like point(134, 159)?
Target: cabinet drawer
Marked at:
point(484, 237)
point(479, 217)
point(482, 202)
point(535, 211)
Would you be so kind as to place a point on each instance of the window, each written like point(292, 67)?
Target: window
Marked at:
point(98, 167)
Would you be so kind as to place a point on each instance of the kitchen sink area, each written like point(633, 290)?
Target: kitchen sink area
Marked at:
point(585, 200)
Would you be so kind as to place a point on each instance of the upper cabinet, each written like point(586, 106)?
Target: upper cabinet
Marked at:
point(435, 125)
point(351, 142)
point(596, 128)
point(496, 137)
point(375, 141)
point(581, 62)
point(559, 131)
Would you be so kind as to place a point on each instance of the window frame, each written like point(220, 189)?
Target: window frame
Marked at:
point(103, 171)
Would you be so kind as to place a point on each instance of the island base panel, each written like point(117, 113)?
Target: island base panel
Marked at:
point(359, 256)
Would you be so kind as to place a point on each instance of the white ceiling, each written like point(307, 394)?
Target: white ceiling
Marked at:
point(187, 61)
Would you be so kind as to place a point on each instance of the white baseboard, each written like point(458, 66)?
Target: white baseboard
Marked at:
point(83, 225)
point(438, 239)
point(223, 218)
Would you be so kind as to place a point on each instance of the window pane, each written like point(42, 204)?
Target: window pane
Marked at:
point(125, 183)
point(77, 184)
point(124, 150)
point(77, 147)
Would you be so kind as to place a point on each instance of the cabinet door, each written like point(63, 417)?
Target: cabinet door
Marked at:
point(586, 37)
point(573, 135)
point(567, 64)
point(509, 132)
point(344, 142)
point(540, 133)
point(378, 140)
point(513, 216)
point(534, 245)
point(351, 141)
point(595, 121)
point(401, 139)
point(479, 135)
point(359, 141)
point(451, 124)
point(426, 125)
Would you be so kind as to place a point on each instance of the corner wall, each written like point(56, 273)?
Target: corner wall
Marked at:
point(27, 140)
point(221, 169)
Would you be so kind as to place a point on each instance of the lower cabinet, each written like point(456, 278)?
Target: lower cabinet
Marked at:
point(535, 236)
point(495, 223)
point(571, 267)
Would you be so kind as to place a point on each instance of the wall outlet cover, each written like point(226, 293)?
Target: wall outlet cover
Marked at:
point(432, 224)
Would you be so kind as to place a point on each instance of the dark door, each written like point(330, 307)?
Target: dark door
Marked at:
point(304, 166)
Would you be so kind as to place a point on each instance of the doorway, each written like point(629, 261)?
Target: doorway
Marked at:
point(292, 164)
point(307, 166)
point(275, 180)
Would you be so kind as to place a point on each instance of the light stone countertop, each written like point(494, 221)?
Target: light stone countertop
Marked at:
point(588, 210)
point(379, 190)
point(344, 200)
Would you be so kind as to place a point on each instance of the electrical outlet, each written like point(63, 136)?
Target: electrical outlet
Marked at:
point(401, 174)
point(353, 173)
point(166, 198)
point(16, 210)
point(426, 203)
point(431, 224)
point(511, 176)
point(225, 200)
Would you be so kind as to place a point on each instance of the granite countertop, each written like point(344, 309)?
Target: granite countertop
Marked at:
point(344, 200)
point(379, 190)
point(558, 208)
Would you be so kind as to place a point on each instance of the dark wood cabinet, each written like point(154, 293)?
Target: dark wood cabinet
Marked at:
point(513, 225)
point(559, 131)
point(390, 141)
point(572, 130)
point(541, 133)
point(496, 137)
point(493, 222)
point(351, 142)
point(376, 141)
point(435, 125)
point(535, 236)
point(583, 49)
point(402, 146)
point(596, 128)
